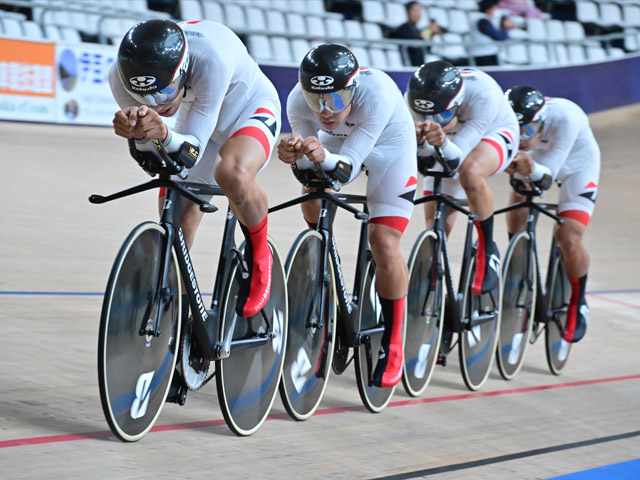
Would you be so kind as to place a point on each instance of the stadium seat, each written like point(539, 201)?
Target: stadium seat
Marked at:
point(378, 58)
point(71, 35)
point(191, 10)
point(396, 15)
point(560, 54)
point(576, 54)
point(52, 33)
point(255, 18)
point(353, 30)
point(32, 30)
point(315, 26)
point(334, 28)
point(449, 45)
point(596, 54)
point(362, 55)
point(281, 50)
point(372, 31)
point(631, 15)
point(299, 48)
point(394, 57)
point(276, 22)
point(610, 14)
point(213, 11)
point(295, 24)
point(516, 54)
point(12, 27)
point(259, 47)
point(631, 40)
point(538, 54)
point(373, 11)
point(555, 30)
point(234, 16)
point(536, 29)
point(441, 17)
point(587, 12)
point(458, 21)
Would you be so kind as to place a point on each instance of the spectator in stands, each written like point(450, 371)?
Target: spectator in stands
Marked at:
point(522, 8)
point(410, 31)
point(483, 34)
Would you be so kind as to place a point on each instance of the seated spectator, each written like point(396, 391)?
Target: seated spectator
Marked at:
point(410, 31)
point(483, 34)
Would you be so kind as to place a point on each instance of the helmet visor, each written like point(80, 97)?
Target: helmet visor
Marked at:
point(161, 97)
point(530, 129)
point(444, 118)
point(335, 102)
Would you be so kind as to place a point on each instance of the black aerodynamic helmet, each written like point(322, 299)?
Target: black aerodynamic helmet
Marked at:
point(436, 91)
point(328, 76)
point(530, 108)
point(153, 61)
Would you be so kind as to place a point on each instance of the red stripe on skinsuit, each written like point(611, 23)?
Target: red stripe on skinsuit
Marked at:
point(496, 145)
point(258, 134)
point(399, 223)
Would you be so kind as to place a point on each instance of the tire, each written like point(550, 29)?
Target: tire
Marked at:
point(559, 295)
point(247, 381)
point(425, 315)
point(369, 316)
point(134, 370)
point(309, 350)
point(478, 344)
point(518, 301)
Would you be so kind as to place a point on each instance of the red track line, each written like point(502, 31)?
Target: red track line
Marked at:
point(326, 411)
point(600, 297)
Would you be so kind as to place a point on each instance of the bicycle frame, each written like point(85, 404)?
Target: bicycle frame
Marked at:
point(535, 209)
point(347, 308)
point(454, 297)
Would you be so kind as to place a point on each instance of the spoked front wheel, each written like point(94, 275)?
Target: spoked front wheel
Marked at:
point(311, 335)
point(136, 359)
point(425, 314)
point(478, 339)
point(247, 381)
point(370, 325)
point(518, 300)
point(559, 296)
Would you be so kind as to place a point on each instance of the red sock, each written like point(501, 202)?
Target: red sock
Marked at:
point(572, 313)
point(259, 262)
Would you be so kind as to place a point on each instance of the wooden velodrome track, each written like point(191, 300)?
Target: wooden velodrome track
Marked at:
point(56, 252)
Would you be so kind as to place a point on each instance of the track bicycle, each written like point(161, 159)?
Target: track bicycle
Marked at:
point(528, 305)
point(325, 321)
point(439, 317)
point(142, 337)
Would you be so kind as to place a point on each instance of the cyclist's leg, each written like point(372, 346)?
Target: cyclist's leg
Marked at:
point(390, 193)
point(242, 156)
point(491, 156)
point(575, 205)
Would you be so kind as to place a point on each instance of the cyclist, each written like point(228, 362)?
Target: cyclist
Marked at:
point(227, 122)
point(556, 143)
point(348, 117)
point(465, 113)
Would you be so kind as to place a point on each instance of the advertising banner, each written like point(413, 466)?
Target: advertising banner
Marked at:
point(27, 80)
point(82, 91)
